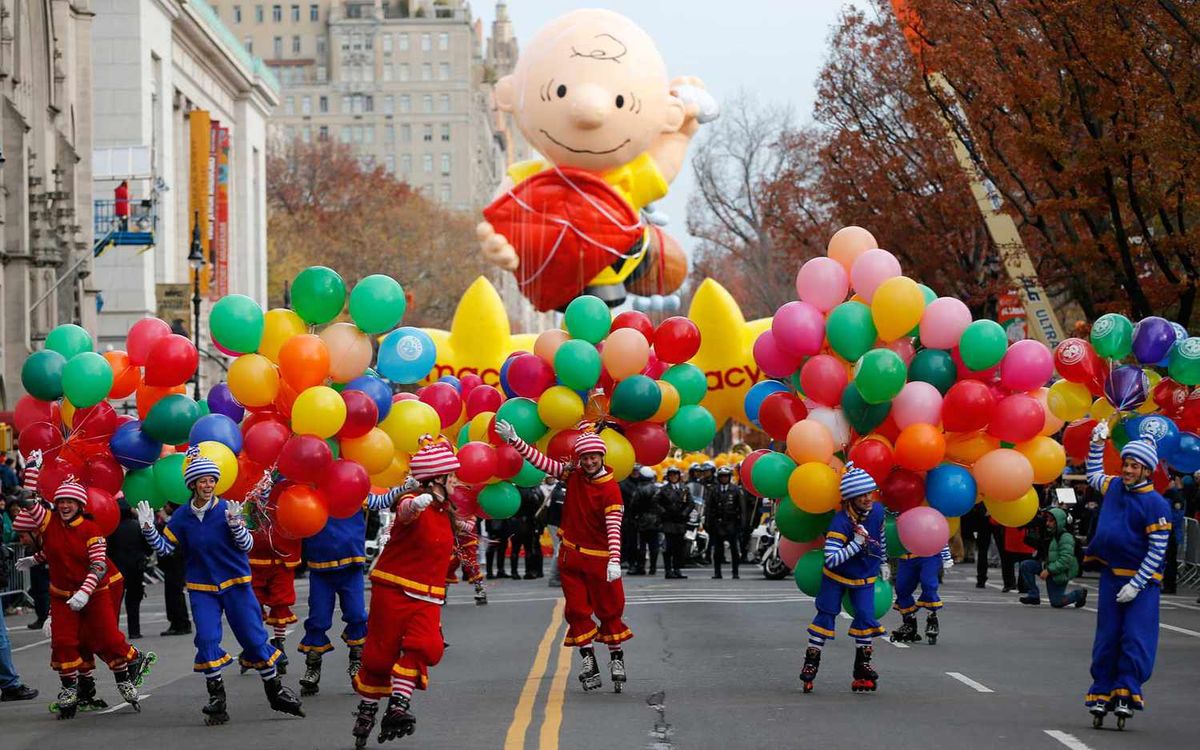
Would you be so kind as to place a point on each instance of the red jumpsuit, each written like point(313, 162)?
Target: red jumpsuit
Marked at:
point(273, 561)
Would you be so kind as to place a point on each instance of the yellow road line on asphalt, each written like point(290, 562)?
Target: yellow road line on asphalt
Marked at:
point(515, 738)
point(552, 722)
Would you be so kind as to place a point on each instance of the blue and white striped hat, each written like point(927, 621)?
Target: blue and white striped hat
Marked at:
point(856, 482)
point(1143, 451)
point(199, 466)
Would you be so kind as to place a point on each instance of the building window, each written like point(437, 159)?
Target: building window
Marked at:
point(389, 163)
point(289, 133)
point(445, 165)
point(306, 134)
point(237, 14)
point(445, 133)
point(278, 47)
point(427, 103)
point(306, 105)
point(406, 133)
point(444, 103)
point(289, 105)
point(389, 104)
point(356, 42)
point(368, 72)
point(427, 133)
point(369, 104)
point(314, 13)
point(427, 163)
point(387, 72)
point(405, 104)
point(295, 45)
point(345, 42)
point(258, 14)
point(443, 71)
point(277, 13)
point(295, 14)
point(425, 43)
point(369, 132)
point(321, 47)
point(426, 72)
point(345, 104)
point(369, 42)
point(403, 72)
point(323, 104)
point(323, 133)
point(443, 41)
point(321, 73)
point(357, 133)
point(345, 134)
point(249, 43)
point(402, 42)
point(387, 44)
point(445, 196)
point(405, 163)
point(389, 133)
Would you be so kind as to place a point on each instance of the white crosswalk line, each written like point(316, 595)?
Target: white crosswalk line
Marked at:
point(977, 687)
point(1069, 740)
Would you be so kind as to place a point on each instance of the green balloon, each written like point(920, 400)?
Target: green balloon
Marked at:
point(377, 303)
point(236, 323)
point(809, 571)
point(464, 436)
point(863, 417)
point(334, 447)
point(500, 500)
point(883, 599)
point(934, 366)
point(636, 398)
point(1184, 363)
point(850, 330)
point(1112, 336)
point(798, 525)
point(588, 318)
point(522, 414)
point(68, 340)
point(42, 375)
point(895, 548)
point(929, 296)
point(689, 380)
point(692, 428)
point(318, 295)
point(139, 485)
point(879, 376)
point(528, 476)
point(87, 379)
point(171, 419)
point(168, 478)
point(982, 345)
point(770, 474)
point(577, 364)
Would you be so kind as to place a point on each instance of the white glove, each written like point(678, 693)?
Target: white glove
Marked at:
point(947, 564)
point(423, 501)
point(707, 108)
point(78, 601)
point(860, 535)
point(506, 431)
point(614, 570)
point(145, 515)
point(885, 571)
point(1127, 593)
point(34, 458)
point(46, 628)
point(1100, 432)
point(410, 484)
point(234, 514)
point(25, 563)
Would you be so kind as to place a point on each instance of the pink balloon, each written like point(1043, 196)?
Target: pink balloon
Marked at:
point(791, 552)
point(872, 269)
point(468, 383)
point(799, 327)
point(917, 403)
point(655, 367)
point(823, 378)
point(773, 361)
point(529, 375)
point(905, 348)
point(1027, 364)
point(822, 283)
point(1017, 418)
point(943, 322)
point(923, 531)
point(445, 400)
point(481, 399)
point(221, 349)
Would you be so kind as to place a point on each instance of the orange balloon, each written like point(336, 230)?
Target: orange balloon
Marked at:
point(968, 447)
point(284, 399)
point(304, 361)
point(597, 407)
point(848, 243)
point(301, 511)
point(393, 475)
point(809, 441)
point(547, 343)
point(1003, 475)
point(374, 450)
point(1047, 457)
point(349, 349)
point(126, 376)
point(920, 447)
point(626, 352)
point(1052, 424)
point(149, 395)
point(669, 404)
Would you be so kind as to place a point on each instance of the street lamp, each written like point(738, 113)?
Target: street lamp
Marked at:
point(196, 261)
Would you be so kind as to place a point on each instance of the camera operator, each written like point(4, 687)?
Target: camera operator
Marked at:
point(1054, 561)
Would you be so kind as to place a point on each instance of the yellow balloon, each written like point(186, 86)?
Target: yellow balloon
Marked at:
point(560, 407)
point(373, 450)
point(813, 487)
point(225, 460)
point(1014, 513)
point(279, 325)
point(1102, 410)
point(620, 454)
point(67, 409)
point(1069, 401)
point(477, 428)
point(896, 307)
point(350, 351)
point(966, 447)
point(318, 411)
point(954, 524)
point(408, 421)
point(1150, 406)
point(669, 404)
point(394, 474)
point(1047, 457)
point(253, 380)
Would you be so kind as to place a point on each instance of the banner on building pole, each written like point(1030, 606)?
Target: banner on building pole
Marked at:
point(221, 213)
point(199, 182)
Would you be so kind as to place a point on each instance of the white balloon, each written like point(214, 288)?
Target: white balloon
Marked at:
point(641, 304)
point(672, 303)
point(834, 421)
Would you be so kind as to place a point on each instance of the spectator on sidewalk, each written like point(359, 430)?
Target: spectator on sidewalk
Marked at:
point(11, 688)
point(128, 550)
point(1054, 562)
point(173, 569)
point(1175, 497)
point(527, 534)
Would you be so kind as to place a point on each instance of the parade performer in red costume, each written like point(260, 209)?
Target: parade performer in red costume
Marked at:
point(273, 562)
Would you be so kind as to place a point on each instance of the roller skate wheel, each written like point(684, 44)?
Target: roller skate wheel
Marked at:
point(1097, 721)
point(617, 686)
point(1121, 723)
point(932, 639)
point(808, 687)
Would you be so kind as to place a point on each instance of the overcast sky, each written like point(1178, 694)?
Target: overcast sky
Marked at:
point(771, 48)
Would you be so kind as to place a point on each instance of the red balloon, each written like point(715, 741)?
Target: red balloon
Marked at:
point(677, 340)
point(53, 474)
point(142, 337)
point(97, 422)
point(747, 466)
point(468, 383)
point(103, 508)
point(650, 442)
point(445, 400)
point(304, 457)
point(562, 445)
point(30, 411)
point(264, 441)
point(404, 396)
point(345, 485)
point(903, 490)
point(967, 406)
point(477, 462)
point(529, 375)
point(1017, 418)
point(361, 415)
point(655, 367)
point(509, 461)
point(102, 471)
point(779, 411)
point(874, 457)
point(1077, 437)
point(823, 379)
point(1076, 361)
point(255, 417)
point(301, 511)
point(483, 398)
point(638, 321)
point(249, 473)
point(42, 436)
point(172, 361)
point(964, 373)
point(889, 429)
point(1170, 396)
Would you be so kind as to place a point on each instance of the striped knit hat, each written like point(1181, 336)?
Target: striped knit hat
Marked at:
point(199, 466)
point(433, 460)
point(71, 489)
point(590, 442)
point(856, 482)
point(1143, 451)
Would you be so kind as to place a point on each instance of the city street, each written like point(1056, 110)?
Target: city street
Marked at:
point(714, 665)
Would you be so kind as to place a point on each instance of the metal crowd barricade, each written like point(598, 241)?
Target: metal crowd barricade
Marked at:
point(1188, 554)
point(13, 581)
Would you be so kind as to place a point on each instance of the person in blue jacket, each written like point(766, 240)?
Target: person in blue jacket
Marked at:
point(854, 551)
point(1129, 548)
point(211, 534)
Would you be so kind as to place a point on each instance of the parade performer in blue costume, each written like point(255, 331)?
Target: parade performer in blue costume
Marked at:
point(1129, 548)
point(912, 570)
point(854, 551)
point(211, 535)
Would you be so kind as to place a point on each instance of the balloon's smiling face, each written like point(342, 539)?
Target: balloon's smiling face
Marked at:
point(591, 91)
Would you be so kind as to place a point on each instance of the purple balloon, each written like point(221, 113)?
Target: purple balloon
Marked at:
point(1126, 387)
point(1152, 339)
point(132, 448)
point(221, 401)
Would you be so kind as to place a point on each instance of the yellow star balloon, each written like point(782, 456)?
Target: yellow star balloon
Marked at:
point(480, 337)
point(726, 351)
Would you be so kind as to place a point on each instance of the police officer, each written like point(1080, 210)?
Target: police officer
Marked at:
point(675, 505)
point(723, 520)
point(642, 511)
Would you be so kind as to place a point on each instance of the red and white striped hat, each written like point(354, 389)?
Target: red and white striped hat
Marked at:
point(71, 490)
point(433, 460)
point(590, 442)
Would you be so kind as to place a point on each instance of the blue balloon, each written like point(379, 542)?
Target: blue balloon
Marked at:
point(133, 448)
point(379, 391)
point(219, 428)
point(508, 391)
point(221, 401)
point(1161, 429)
point(757, 394)
point(452, 381)
point(406, 355)
point(951, 490)
point(1186, 458)
point(1180, 334)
